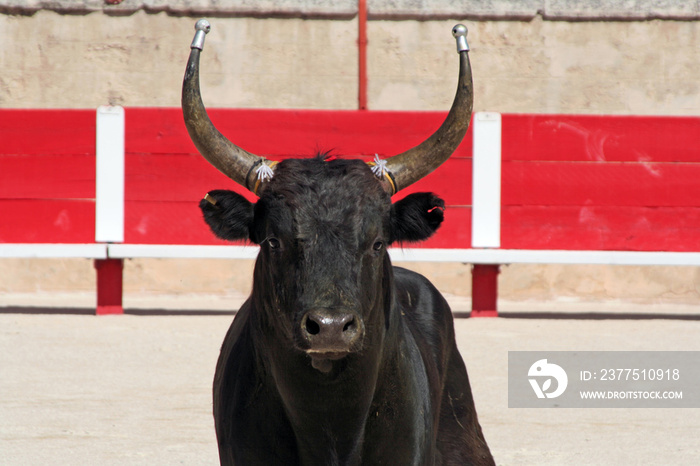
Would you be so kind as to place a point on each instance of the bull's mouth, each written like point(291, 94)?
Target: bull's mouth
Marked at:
point(323, 361)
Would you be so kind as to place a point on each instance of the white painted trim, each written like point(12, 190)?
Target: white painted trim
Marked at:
point(486, 180)
point(178, 251)
point(109, 183)
point(29, 250)
point(512, 256)
point(470, 256)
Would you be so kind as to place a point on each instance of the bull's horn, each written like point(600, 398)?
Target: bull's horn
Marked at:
point(228, 158)
point(412, 165)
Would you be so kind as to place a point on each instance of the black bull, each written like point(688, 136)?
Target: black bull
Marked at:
point(337, 357)
point(377, 378)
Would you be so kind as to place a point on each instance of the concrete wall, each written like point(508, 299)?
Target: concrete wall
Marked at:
point(604, 67)
point(631, 57)
point(404, 9)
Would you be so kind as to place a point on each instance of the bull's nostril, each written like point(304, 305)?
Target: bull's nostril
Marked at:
point(312, 327)
point(349, 325)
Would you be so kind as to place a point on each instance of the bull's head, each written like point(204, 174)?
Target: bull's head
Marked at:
point(323, 278)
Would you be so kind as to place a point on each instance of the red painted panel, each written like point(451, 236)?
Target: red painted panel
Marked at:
point(485, 290)
point(42, 131)
point(110, 281)
point(154, 222)
point(171, 177)
point(163, 165)
point(454, 233)
point(571, 182)
point(158, 222)
point(452, 181)
point(601, 183)
point(601, 228)
point(187, 177)
point(600, 138)
point(289, 133)
point(47, 176)
point(47, 221)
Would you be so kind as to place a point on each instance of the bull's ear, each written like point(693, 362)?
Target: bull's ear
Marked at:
point(228, 214)
point(416, 217)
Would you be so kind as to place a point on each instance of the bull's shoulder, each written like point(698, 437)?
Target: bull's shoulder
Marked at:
point(419, 298)
point(426, 312)
point(248, 415)
point(235, 375)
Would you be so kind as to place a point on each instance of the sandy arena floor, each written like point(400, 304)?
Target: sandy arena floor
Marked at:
point(135, 390)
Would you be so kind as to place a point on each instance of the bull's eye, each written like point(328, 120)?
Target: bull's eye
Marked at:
point(274, 243)
point(378, 245)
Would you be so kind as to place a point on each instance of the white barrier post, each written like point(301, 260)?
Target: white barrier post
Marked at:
point(109, 205)
point(486, 209)
point(109, 210)
point(486, 186)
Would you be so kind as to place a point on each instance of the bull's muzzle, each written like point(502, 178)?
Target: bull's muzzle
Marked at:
point(330, 335)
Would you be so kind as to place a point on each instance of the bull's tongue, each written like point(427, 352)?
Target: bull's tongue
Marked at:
point(323, 365)
point(323, 362)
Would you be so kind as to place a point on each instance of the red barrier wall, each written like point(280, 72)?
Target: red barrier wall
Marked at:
point(166, 177)
point(568, 182)
point(600, 183)
point(47, 176)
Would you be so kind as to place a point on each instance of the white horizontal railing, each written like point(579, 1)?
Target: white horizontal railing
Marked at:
point(469, 256)
point(178, 251)
point(35, 250)
point(522, 256)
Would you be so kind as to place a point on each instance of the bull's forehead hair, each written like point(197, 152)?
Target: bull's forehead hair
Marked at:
point(338, 191)
point(299, 179)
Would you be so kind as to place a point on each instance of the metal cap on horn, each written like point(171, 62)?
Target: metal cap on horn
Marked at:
point(412, 165)
point(241, 166)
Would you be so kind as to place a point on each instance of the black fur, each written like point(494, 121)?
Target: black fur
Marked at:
point(231, 218)
point(414, 218)
point(417, 216)
point(398, 393)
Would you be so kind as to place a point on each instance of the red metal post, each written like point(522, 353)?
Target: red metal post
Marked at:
point(362, 54)
point(485, 290)
point(109, 286)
